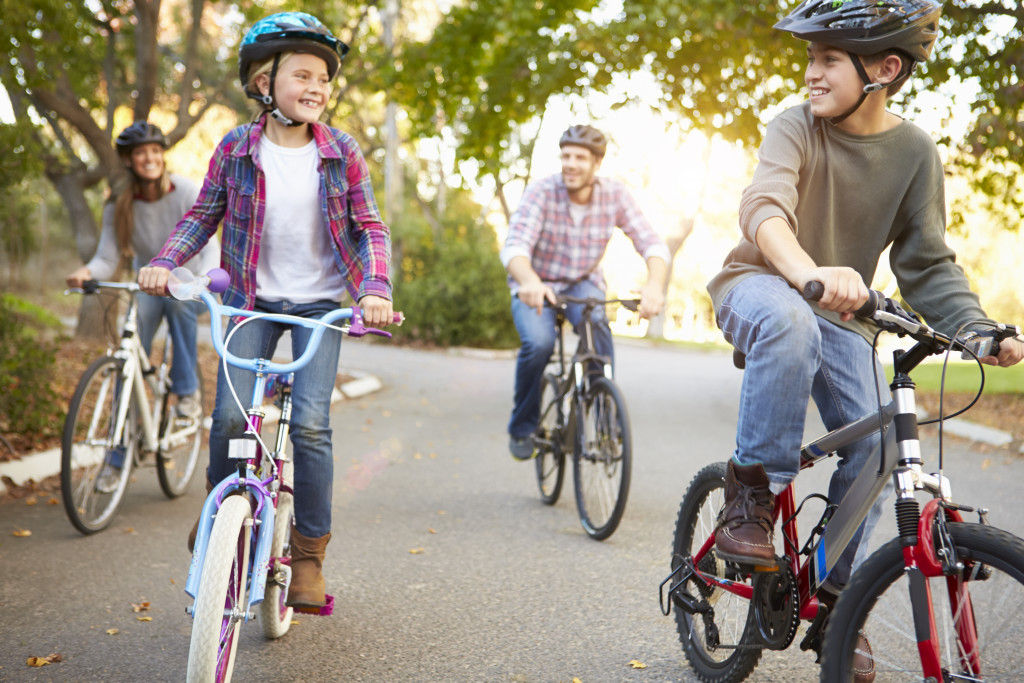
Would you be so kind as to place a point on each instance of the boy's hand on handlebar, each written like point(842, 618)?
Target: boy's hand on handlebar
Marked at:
point(845, 291)
point(377, 311)
point(652, 299)
point(153, 280)
point(1011, 352)
point(534, 295)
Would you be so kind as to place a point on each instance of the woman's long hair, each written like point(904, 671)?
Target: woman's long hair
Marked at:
point(125, 189)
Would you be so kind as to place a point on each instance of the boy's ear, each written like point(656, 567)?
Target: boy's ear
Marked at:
point(889, 69)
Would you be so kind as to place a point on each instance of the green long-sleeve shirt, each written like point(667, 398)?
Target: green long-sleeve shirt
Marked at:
point(848, 197)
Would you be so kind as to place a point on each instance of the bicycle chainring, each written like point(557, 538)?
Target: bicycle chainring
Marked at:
point(776, 603)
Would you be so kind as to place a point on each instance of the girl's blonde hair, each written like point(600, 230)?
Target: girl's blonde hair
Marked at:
point(260, 68)
point(123, 192)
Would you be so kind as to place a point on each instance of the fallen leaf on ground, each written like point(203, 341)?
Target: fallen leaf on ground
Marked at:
point(144, 618)
point(416, 551)
point(43, 661)
point(986, 463)
point(112, 631)
point(140, 607)
point(22, 533)
point(637, 664)
point(53, 501)
point(31, 500)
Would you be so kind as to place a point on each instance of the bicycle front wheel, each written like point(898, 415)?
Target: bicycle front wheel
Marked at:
point(720, 641)
point(221, 603)
point(96, 462)
point(550, 460)
point(275, 615)
point(977, 612)
point(602, 459)
point(181, 439)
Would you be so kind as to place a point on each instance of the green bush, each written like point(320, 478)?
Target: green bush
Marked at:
point(452, 288)
point(28, 401)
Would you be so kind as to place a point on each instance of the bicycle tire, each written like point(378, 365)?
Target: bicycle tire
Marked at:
point(221, 602)
point(602, 459)
point(732, 621)
point(275, 615)
point(176, 465)
point(92, 492)
point(877, 603)
point(550, 460)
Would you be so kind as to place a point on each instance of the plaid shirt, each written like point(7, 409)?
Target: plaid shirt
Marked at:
point(235, 191)
point(563, 253)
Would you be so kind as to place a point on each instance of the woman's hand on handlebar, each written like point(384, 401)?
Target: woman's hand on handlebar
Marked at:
point(77, 278)
point(153, 280)
point(377, 311)
point(844, 289)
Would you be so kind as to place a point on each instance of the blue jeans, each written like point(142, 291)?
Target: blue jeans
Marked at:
point(537, 334)
point(311, 403)
point(793, 355)
point(181, 323)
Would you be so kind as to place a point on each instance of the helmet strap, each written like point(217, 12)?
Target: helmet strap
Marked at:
point(869, 87)
point(268, 99)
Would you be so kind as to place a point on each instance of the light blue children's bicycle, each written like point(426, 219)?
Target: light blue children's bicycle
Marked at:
point(242, 555)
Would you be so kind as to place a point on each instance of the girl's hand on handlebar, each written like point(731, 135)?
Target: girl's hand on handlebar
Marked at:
point(377, 311)
point(153, 280)
point(845, 291)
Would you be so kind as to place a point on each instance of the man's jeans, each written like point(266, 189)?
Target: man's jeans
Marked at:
point(793, 355)
point(181, 324)
point(537, 334)
point(311, 404)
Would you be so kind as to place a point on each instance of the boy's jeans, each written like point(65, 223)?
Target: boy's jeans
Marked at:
point(537, 334)
point(793, 355)
point(311, 403)
point(181, 324)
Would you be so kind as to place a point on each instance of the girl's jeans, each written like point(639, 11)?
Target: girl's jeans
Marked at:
point(793, 355)
point(537, 334)
point(181, 324)
point(311, 403)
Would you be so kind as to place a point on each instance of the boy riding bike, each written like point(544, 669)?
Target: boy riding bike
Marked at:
point(839, 179)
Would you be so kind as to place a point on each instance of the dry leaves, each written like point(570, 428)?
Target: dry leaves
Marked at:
point(637, 664)
point(43, 661)
point(22, 533)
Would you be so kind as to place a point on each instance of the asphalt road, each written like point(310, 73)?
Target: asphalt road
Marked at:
point(444, 564)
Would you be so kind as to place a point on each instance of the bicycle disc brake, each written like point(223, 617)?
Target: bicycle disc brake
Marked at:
point(775, 604)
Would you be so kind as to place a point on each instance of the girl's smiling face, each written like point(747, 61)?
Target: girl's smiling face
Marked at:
point(302, 87)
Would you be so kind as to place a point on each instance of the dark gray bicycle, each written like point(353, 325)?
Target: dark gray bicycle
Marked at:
point(583, 415)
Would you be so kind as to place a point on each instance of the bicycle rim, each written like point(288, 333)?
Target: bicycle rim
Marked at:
point(877, 604)
point(221, 602)
point(180, 443)
point(718, 644)
point(602, 461)
point(550, 460)
point(92, 483)
point(275, 615)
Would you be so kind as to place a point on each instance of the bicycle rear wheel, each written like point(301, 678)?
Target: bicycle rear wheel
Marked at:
point(181, 439)
point(95, 466)
point(220, 605)
point(550, 459)
point(720, 642)
point(602, 459)
point(988, 590)
point(275, 615)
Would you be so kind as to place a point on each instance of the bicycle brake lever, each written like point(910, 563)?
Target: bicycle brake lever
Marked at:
point(358, 329)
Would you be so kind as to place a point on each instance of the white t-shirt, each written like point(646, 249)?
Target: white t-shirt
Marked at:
point(296, 261)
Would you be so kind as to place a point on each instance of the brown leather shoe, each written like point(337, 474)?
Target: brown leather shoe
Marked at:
point(307, 588)
point(863, 659)
point(745, 525)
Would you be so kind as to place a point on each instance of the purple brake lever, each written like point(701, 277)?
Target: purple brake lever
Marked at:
point(358, 329)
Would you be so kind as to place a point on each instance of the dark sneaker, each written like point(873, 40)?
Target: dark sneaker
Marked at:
point(521, 449)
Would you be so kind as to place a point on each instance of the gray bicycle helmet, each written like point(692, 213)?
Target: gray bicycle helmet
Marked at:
point(867, 27)
point(585, 136)
point(139, 133)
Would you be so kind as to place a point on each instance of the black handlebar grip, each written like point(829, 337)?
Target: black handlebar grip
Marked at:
point(814, 290)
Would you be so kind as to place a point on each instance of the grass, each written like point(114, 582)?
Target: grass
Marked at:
point(965, 377)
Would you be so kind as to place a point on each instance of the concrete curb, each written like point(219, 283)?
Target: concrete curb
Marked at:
point(38, 466)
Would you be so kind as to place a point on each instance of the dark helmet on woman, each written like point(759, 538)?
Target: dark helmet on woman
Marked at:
point(585, 136)
point(139, 133)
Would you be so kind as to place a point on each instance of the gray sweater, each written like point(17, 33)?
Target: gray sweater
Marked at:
point(154, 223)
point(848, 197)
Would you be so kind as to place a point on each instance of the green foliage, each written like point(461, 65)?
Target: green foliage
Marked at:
point(451, 286)
point(28, 401)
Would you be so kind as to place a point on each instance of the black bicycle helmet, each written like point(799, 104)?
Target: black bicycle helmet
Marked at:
point(867, 27)
point(289, 32)
point(585, 136)
point(139, 133)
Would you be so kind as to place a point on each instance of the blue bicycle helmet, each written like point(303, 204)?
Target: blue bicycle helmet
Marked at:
point(289, 32)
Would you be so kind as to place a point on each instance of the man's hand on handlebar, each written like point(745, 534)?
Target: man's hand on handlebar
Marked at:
point(844, 289)
point(153, 280)
point(377, 311)
point(652, 300)
point(535, 294)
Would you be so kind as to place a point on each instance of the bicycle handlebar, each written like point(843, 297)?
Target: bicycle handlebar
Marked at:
point(562, 299)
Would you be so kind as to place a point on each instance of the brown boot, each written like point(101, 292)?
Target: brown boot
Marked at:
point(307, 587)
point(863, 659)
point(195, 527)
point(745, 525)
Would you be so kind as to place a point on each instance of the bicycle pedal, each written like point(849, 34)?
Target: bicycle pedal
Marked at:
point(325, 611)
